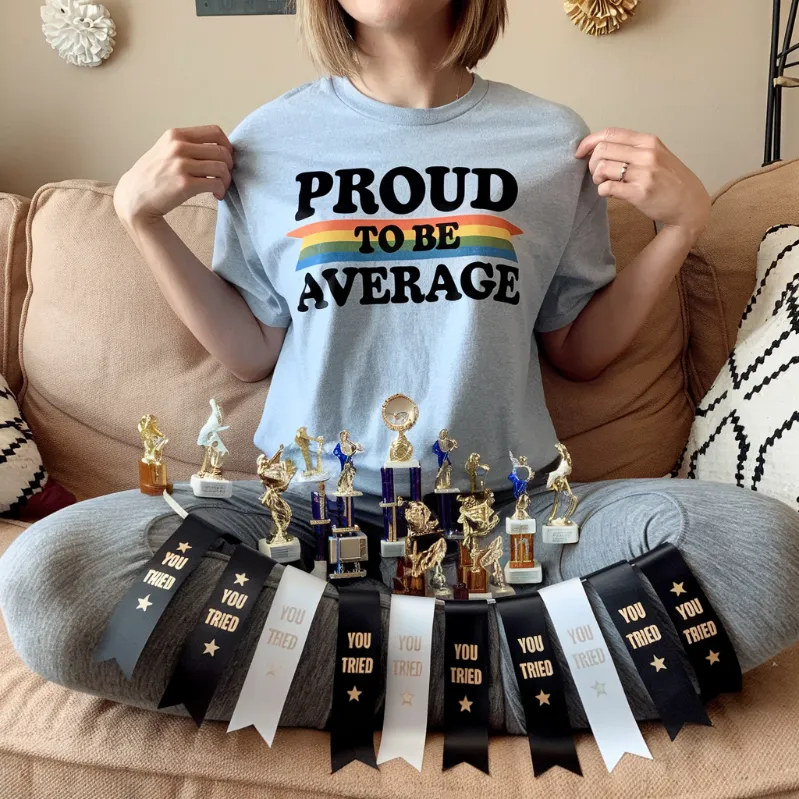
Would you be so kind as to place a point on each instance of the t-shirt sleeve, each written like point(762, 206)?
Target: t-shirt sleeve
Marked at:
point(236, 260)
point(587, 263)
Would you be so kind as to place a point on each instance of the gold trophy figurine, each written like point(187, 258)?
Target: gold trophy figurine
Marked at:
point(422, 523)
point(476, 471)
point(561, 529)
point(152, 468)
point(209, 482)
point(478, 518)
point(434, 556)
point(276, 474)
point(314, 473)
point(520, 528)
point(345, 450)
point(489, 560)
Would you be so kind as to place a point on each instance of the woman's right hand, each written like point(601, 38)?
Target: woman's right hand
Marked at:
point(183, 163)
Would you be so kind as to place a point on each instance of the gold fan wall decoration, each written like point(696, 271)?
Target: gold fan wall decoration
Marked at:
point(598, 17)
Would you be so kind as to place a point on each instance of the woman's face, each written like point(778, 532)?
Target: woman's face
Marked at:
point(394, 14)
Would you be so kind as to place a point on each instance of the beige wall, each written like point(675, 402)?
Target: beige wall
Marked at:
point(694, 71)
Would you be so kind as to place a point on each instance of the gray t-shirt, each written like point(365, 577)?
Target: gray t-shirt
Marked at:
point(412, 251)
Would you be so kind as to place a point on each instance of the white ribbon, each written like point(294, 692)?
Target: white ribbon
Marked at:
point(278, 652)
point(594, 673)
point(175, 505)
point(410, 642)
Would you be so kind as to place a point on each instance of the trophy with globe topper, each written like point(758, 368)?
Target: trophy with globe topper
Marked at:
point(209, 481)
point(276, 474)
point(521, 567)
point(400, 413)
point(561, 529)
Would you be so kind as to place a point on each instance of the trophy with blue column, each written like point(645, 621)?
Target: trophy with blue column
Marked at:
point(522, 566)
point(400, 413)
point(446, 493)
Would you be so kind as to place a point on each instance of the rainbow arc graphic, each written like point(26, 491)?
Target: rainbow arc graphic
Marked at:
point(480, 236)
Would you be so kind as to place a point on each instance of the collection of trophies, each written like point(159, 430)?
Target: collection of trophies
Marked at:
point(411, 533)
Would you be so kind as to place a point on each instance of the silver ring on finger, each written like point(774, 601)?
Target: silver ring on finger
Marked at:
point(623, 173)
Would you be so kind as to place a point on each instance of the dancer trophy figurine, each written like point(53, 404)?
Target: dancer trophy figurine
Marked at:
point(489, 560)
point(209, 482)
point(314, 473)
point(152, 468)
point(347, 546)
point(444, 490)
point(400, 414)
point(478, 519)
point(522, 566)
point(561, 529)
point(276, 474)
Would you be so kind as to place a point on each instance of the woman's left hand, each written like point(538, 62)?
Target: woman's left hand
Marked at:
point(656, 182)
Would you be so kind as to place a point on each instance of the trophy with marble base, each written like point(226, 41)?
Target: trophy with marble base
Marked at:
point(276, 474)
point(489, 560)
point(446, 493)
point(478, 519)
point(314, 471)
point(400, 414)
point(561, 529)
point(522, 568)
point(347, 547)
point(152, 468)
point(209, 481)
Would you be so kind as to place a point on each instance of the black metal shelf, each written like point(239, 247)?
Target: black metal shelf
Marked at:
point(777, 79)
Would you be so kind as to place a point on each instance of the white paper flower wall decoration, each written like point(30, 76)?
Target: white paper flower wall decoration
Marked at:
point(82, 33)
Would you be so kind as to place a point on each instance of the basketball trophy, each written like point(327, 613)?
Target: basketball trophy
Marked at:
point(152, 469)
point(489, 560)
point(276, 474)
point(522, 566)
point(313, 473)
point(347, 545)
point(445, 492)
point(209, 482)
point(400, 414)
point(561, 529)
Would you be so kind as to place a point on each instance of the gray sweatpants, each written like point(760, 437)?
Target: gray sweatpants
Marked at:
point(62, 578)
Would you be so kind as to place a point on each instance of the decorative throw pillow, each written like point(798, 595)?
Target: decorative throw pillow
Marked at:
point(22, 473)
point(746, 430)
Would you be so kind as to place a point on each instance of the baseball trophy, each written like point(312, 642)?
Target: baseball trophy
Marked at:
point(561, 529)
point(347, 545)
point(152, 468)
point(400, 414)
point(489, 560)
point(209, 482)
point(313, 473)
point(445, 492)
point(522, 566)
point(276, 474)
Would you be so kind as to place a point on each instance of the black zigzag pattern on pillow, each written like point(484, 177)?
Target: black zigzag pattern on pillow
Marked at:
point(700, 411)
point(743, 447)
point(7, 451)
point(35, 485)
point(772, 266)
point(760, 463)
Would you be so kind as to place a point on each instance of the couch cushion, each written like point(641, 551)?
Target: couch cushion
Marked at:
point(101, 348)
point(13, 283)
point(719, 275)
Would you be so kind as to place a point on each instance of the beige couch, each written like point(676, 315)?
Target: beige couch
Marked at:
point(90, 346)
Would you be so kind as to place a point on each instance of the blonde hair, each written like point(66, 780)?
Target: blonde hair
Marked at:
point(328, 33)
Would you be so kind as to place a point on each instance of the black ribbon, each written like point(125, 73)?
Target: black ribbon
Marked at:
point(466, 679)
point(215, 638)
point(540, 684)
point(701, 632)
point(357, 679)
point(653, 653)
point(138, 612)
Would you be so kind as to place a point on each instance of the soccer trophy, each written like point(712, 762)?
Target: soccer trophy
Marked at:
point(209, 482)
point(445, 492)
point(522, 566)
point(489, 560)
point(561, 529)
point(276, 474)
point(347, 545)
point(314, 473)
point(400, 414)
point(152, 469)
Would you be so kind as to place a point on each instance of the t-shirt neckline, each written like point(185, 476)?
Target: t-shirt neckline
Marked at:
point(369, 107)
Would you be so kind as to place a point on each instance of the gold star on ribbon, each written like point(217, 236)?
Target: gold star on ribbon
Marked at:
point(406, 698)
point(466, 705)
point(599, 687)
point(144, 603)
point(354, 694)
point(713, 657)
point(543, 699)
point(677, 589)
point(210, 648)
point(241, 579)
point(658, 663)
point(184, 547)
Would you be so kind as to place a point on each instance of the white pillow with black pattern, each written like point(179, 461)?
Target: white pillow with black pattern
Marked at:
point(746, 430)
point(21, 471)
